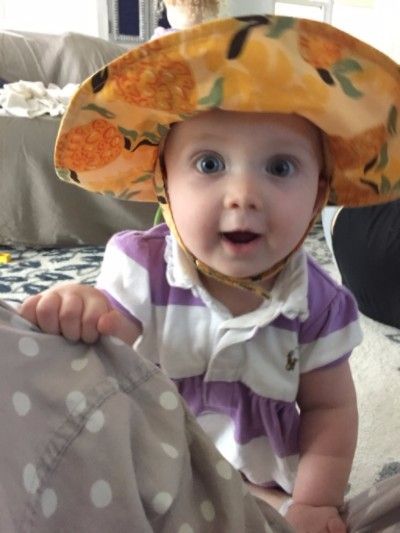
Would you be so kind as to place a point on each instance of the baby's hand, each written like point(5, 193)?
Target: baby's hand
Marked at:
point(309, 519)
point(78, 312)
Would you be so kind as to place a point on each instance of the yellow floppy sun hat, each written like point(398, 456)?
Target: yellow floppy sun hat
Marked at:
point(110, 137)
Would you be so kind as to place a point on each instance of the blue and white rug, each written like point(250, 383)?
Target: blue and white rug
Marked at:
point(31, 271)
point(375, 364)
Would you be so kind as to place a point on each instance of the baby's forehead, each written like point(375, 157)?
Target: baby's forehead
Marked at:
point(221, 124)
point(220, 118)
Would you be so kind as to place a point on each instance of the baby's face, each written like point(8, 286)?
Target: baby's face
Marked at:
point(243, 187)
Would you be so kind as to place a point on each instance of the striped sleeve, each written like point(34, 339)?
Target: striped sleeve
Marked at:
point(332, 329)
point(130, 261)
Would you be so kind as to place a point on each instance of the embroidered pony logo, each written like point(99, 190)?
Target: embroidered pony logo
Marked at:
point(291, 361)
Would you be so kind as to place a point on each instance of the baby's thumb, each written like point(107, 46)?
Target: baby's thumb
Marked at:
point(336, 525)
point(117, 325)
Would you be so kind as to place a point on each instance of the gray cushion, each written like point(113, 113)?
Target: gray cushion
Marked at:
point(59, 59)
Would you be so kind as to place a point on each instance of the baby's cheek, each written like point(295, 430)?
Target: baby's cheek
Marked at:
point(291, 223)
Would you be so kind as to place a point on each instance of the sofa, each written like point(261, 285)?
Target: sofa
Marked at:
point(36, 208)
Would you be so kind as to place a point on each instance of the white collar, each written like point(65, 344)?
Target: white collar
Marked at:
point(288, 295)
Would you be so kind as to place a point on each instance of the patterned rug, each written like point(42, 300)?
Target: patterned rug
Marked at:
point(31, 271)
point(375, 364)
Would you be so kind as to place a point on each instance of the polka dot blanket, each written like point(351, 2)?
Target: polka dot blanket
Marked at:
point(96, 439)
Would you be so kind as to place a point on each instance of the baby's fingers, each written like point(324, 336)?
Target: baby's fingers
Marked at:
point(117, 325)
point(28, 308)
point(70, 315)
point(42, 310)
point(336, 525)
point(95, 307)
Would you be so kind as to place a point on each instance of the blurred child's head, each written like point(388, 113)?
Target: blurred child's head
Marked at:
point(186, 13)
point(243, 187)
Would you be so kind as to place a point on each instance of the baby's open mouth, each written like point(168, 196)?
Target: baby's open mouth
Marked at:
point(240, 237)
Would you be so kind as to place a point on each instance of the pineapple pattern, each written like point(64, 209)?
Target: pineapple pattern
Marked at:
point(90, 146)
point(109, 138)
point(168, 82)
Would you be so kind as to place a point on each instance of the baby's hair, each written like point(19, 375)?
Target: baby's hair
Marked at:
point(202, 9)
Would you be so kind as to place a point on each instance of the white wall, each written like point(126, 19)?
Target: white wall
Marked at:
point(54, 16)
point(378, 25)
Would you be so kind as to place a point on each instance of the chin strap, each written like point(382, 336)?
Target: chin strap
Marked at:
point(252, 283)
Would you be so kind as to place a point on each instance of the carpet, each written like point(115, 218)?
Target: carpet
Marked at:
point(375, 364)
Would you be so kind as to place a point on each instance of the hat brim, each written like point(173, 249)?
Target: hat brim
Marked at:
point(109, 137)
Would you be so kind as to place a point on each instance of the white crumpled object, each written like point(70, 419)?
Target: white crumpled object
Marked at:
point(31, 98)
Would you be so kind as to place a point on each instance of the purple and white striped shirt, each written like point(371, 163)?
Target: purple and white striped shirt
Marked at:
point(239, 375)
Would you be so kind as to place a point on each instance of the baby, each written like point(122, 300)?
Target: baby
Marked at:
point(240, 135)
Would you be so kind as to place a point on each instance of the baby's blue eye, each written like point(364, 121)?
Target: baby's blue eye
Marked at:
point(209, 164)
point(280, 167)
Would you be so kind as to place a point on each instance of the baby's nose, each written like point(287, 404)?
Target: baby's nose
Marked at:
point(243, 193)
